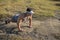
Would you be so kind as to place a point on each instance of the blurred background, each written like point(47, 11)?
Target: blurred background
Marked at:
point(40, 7)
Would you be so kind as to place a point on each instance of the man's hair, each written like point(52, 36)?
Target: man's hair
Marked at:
point(29, 9)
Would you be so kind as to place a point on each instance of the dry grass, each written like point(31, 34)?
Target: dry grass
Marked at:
point(40, 7)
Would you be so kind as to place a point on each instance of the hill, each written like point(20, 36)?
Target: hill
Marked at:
point(45, 27)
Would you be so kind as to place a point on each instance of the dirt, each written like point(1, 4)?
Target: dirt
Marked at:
point(47, 29)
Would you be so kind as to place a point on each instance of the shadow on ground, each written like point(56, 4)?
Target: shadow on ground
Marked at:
point(5, 29)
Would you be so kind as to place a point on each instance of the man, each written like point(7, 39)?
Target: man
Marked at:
point(28, 14)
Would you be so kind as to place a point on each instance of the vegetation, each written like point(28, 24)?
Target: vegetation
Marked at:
point(40, 7)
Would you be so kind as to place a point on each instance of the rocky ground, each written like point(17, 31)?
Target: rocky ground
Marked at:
point(42, 29)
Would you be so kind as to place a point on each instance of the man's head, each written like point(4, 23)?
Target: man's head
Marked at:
point(29, 9)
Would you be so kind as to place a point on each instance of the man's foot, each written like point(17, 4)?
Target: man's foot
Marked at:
point(21, 30)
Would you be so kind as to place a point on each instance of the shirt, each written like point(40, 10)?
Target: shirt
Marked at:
point(31, 12)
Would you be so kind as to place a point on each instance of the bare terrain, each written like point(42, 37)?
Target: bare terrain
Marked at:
point(42, 29)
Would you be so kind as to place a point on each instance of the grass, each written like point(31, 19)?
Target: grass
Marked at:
point(40, 7)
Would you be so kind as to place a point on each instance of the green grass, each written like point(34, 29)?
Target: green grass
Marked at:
point(40, 7)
